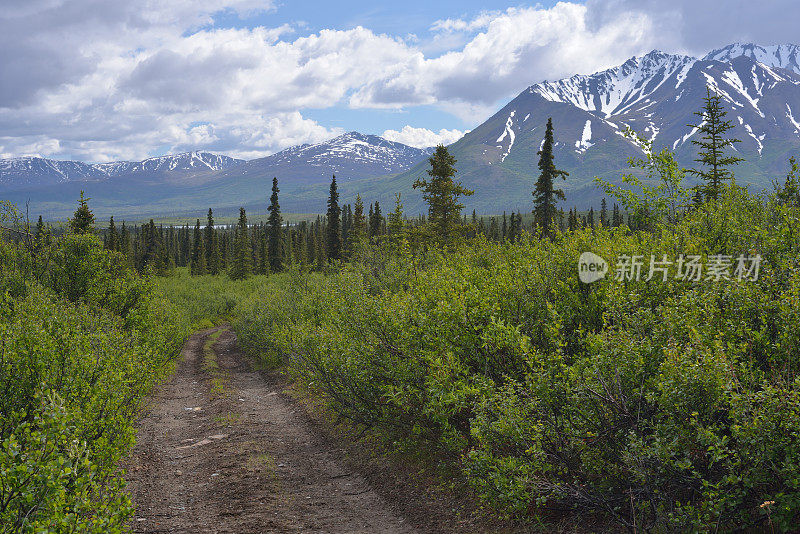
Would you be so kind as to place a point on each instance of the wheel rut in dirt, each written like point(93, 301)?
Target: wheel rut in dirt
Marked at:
point(221, 449)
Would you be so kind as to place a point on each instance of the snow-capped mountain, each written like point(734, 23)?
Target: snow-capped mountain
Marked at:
point(617, 90)
point(187, 161)
point(194, 181)
point(352, 154)
point(656, 95)
point(785, 56)
point(25, 172)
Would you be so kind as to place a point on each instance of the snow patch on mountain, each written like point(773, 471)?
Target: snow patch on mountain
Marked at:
point(351, 148)
point(785, 56)
point(583, 144)
point(790, 116)
point(508, 132)
point(733, 79)
point(616, 90)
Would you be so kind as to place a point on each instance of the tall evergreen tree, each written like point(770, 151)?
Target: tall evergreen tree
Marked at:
point(333, 243)
point(787, 193)
point(82, 221)
point(358, 230)
point(198, 265)
point(396, 224)
point(213, 261)
point(712, 143)
point(150, 246)
point(545, 195)
point(240, 264)
point(112, 243)
point(125, 242)
point(604, 213)
point(616, 218)
point(275, 231)
point(376, 221)
point(442, 192)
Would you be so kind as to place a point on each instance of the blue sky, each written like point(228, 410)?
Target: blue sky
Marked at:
point(404, 19)
point(103, 80)
point(393, 18)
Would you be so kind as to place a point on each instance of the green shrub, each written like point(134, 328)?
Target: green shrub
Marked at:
point(666, 405)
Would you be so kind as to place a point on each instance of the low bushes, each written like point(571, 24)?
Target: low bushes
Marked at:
point(661, 405)
point(82, 339)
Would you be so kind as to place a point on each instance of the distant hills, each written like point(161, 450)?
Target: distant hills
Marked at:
point(33, 172)
point(191, 182)
point(656, 95)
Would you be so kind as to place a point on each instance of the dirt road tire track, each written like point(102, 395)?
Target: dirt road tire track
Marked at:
point(235, 455)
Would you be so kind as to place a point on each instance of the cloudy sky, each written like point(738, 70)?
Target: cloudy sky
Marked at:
point(102, 80)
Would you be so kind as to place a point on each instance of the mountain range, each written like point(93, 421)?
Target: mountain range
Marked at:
point(656, 95)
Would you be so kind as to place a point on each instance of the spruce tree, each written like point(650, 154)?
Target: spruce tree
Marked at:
point(604, 213)
point(150, 246)
point(125, 242)
point(213, 261)
point(396, 225)
point(442, 192)
point(333, 243)
point(82, 221)
point(713, 143)
point(275, 250)
point(358, 230)
point(787, 193)
point(240, 264)
point(112, 241)
point(376, 221)
point(198, 265)
point(545, 195)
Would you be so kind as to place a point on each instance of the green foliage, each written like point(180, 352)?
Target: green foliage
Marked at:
point(198, 262)
point(242, 260)
point(275, 245)
point(441, 193)
point(206, 300)
point(666, 406)
point(712, 143)
point(50, 482)
point(82, 221)
point(82, 339)
point(357, 237)
point(333, 241)
point(655, 207)
point(789, 192)
point(211, 246)
point(545, 195)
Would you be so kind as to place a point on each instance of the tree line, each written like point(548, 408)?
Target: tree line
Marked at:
point(272, 246)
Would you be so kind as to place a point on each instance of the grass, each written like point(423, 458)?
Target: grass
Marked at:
point(207, 301)
point(211, 367)
point(229, 419)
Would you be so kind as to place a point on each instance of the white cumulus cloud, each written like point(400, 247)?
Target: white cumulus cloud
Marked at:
point(122, 79)
point(423, 137)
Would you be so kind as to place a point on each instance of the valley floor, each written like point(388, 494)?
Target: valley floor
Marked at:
point(228, 451)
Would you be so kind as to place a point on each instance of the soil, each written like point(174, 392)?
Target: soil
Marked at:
point(224, 448)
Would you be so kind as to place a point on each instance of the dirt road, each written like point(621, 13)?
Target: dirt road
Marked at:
point(224, 450)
